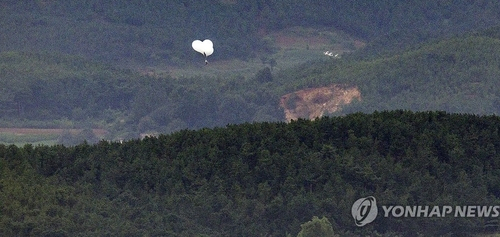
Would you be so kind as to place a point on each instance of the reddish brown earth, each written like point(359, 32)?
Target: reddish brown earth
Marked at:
point(315, 102)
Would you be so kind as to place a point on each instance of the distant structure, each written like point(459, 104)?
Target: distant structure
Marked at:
point(330, 54)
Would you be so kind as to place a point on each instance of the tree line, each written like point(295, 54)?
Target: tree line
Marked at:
point(257, 179)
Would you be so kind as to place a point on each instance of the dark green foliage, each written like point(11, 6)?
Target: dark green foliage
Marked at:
point(264, 75)
point(51, 86)
point(47, 87)
point(316, 228)
point(458, 74)
point(156, 31)
point(250, 179)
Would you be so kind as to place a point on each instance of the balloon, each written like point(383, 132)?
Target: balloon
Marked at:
point(209, 51)
point(206, 47)
point(209, 47)
point(198, 46)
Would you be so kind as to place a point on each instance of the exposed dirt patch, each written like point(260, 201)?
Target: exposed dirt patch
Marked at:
point(315, 102)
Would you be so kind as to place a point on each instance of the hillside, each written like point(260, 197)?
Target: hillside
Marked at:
point(156, 32)
point(128, 68)
point(259, 179)
point(140, 138)
point(48, 90)
point(316, 102)
point(44, 90)
point(458, 74)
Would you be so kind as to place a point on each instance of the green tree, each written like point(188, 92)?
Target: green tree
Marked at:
point(264, 75)
point(316, 228)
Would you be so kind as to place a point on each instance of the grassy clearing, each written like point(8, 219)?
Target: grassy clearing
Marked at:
point(293, 46)
point(21, 139)
point(22, 136)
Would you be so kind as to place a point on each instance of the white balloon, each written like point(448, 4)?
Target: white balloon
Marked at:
point(208, 43)
point(206, 47)
point(209, 51)
point(198, 46)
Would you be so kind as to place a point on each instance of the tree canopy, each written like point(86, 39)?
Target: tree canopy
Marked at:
point(257, 178)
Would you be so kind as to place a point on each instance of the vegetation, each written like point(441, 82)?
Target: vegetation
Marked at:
point(79, 93)
point(49, 90)
point(458, 74)
point(9, 138)
point(257, 179)
point(62, 63)
point(156, 32)
point(80, 65)
point(317, 227)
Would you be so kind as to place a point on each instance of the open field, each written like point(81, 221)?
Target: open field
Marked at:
point(293, 46)
point(21, 136)
point(48, 131)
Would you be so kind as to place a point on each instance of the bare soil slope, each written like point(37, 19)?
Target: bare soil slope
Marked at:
point(315, 102)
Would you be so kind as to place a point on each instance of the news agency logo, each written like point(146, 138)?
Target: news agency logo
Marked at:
point(364, 210)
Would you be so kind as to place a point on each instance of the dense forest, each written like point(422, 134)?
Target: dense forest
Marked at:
point(258, 179)
point(203, 150)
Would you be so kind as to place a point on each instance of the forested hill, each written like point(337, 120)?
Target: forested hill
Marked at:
point(157, 31)
point(49, 90)
point(60, 60)
point(258, 179)
point(458, 74)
